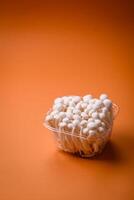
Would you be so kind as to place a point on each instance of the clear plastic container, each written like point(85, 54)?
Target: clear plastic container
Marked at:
point(82, 146)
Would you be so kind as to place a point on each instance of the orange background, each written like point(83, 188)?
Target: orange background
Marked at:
point(55, 48)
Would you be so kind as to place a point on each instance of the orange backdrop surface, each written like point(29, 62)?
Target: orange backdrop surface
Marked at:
point(55, 48)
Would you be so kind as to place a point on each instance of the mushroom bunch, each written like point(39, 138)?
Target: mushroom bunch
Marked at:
point(82, 124)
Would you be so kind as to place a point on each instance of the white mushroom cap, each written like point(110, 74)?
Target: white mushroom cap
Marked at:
point(76, 122)
point(70, 109)
point(58, 100)
point(87, 98)
point(76, 117)
point(83, 122)
point(78, 106)
point(92, 132)
point(91, 111)
point(54, 112)
point(103, 96)
point(102, 115)
point(84, 115)
point(92, 101)
point(58, 106)
point(98, 122)
point(62, 114)
point(70, 97)
point(76, 111)
point(70, 125)
point(103, 124)
point(57, 117)
point(48, 117)
point(90, 120)
point(97, 104)
point(76, 99)
point(90, 106)
point(85, 130)
point(69, 115)
point(101, 129)
point(95, 115)
point(104, 110)
point(84, 105)
point(107, 103)
point(62, 124)
point(72, 104)
point(86, 111)
point(66, 100)
point(91, 125)
point(66, 119)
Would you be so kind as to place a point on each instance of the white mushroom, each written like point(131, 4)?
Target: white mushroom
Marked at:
point(102, 115)
point(84, 115)
point(62, 114)
point(92, 132)
point(90, 120)
point(97, 122)
point(70, 126)
point(76, 111)
point(58, 100)
point(76, 99)
point(101, 129)
point(83, 122)
point(77, 117)
point(69, 115)
point(107, 103)
point(103, 96)
point(62, 124)
point(76, 122)
point(84, 105)
point(97, 104)
point(91, 125)
point(71, 104)
point(49, 117)
point(95, 115)
point(58, 107)
point(66, 120)
point(87, 98)
point(85, 130)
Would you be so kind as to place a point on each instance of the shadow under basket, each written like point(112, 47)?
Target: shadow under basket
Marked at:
point(85, 147)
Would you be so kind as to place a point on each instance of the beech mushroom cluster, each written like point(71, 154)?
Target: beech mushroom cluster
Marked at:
point(82, 124)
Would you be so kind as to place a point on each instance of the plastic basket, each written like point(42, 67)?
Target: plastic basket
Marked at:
point(82, 146)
